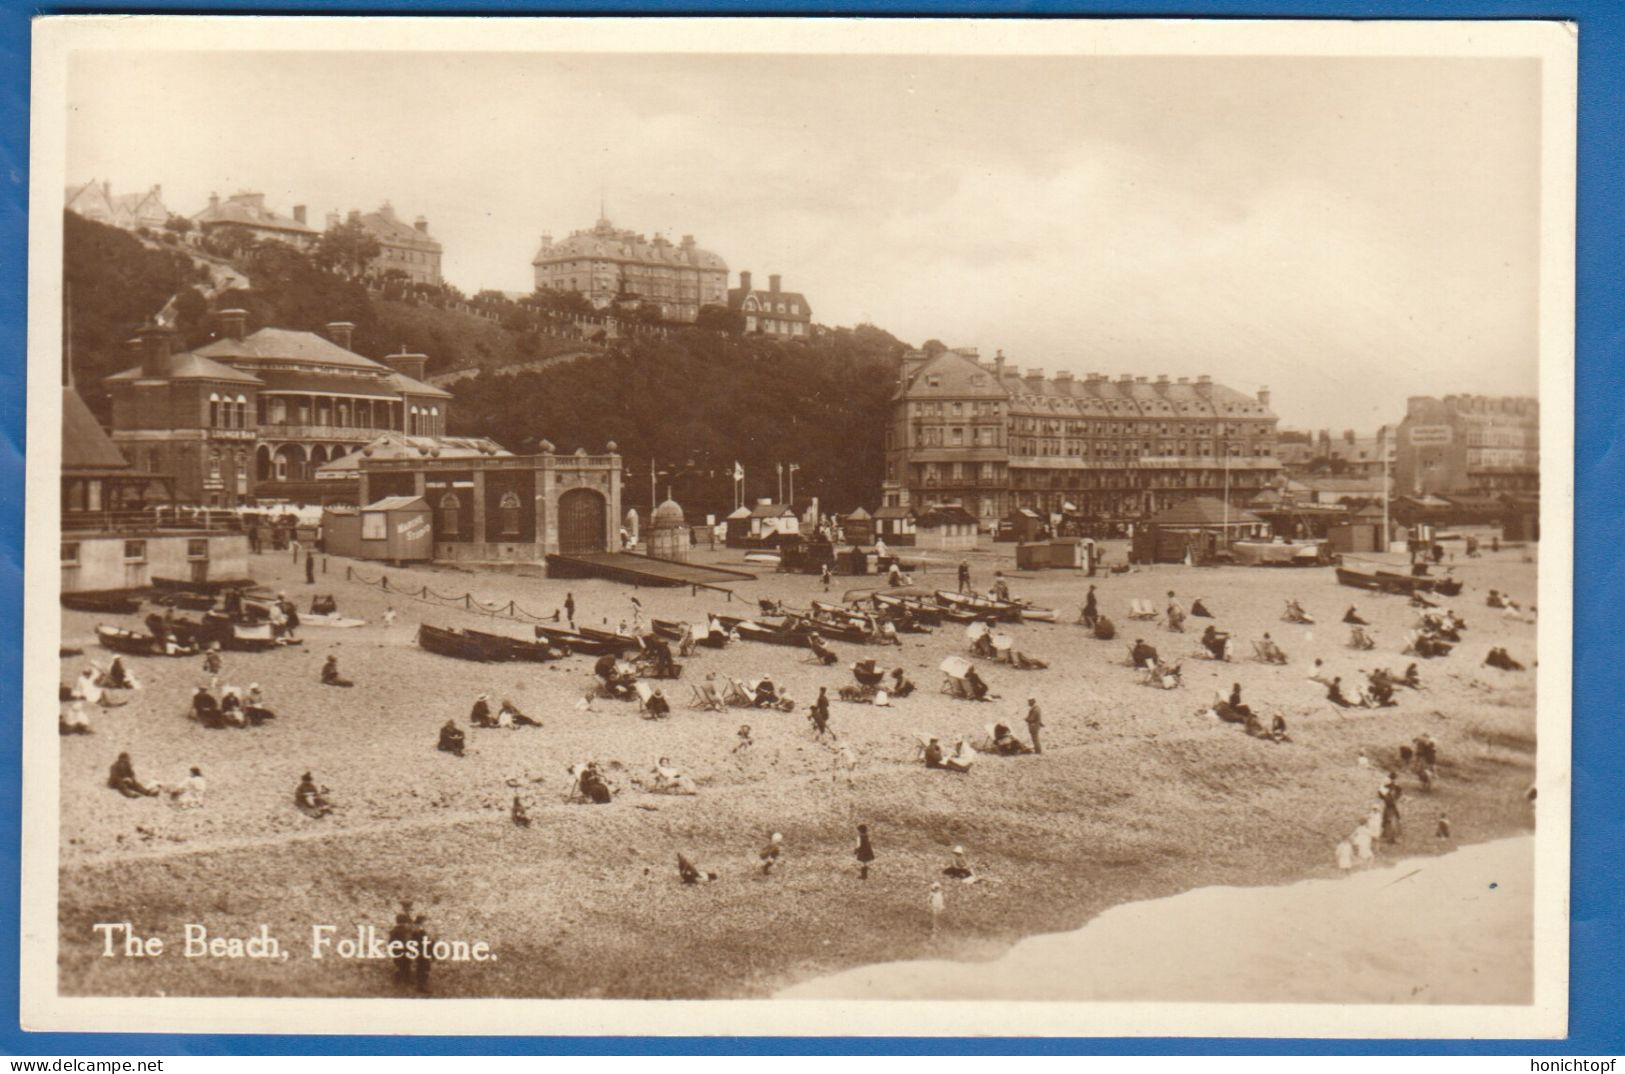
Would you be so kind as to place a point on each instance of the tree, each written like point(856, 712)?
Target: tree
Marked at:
point(934, 347)
point(348, 247)
point(716, 318)
point(231, 240)
point(177, 223)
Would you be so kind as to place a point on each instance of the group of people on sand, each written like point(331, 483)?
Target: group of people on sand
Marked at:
point(233, 708)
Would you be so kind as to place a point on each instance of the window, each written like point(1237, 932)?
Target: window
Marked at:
point(197, 548)
point(933, 381)
point(508, 513)
point(70, 553)
point(450, 514)
point(242, 412)
point(135, 551)
point(214, 464)
point(374, 526)
point(214, 409)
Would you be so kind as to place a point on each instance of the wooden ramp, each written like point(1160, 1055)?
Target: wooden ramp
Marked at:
point(634, 569)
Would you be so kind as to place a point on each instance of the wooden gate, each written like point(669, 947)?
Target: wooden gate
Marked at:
point(581, 522)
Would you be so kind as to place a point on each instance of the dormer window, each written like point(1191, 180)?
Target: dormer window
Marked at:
point(933, 381)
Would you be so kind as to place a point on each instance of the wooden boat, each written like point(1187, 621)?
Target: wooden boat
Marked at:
point(1448, 587)
point(1033, 614)
point(131, 642)
point(666, 628)
point(333, 620)
point(191, 602)
point(456, 644)
point(102, 603)
point(592, 642)
point(847, 631)
point(624, 642)
point(517, 648)
point(767, 633)
point(980, 607)
point(922, 611)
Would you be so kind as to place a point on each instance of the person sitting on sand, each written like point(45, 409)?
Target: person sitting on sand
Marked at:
point(963, 757)
point(88, 689)
point(189, 795)
point(669, 779)
point(1278, 729)
point(771, 853)
point(1199, 610)
point(75, 721)
point(254, 706)
point(205, 709)
point(452, 739)
point(767, 694)
point(594, 787)
point(118, 677)
point(1145, 656)
point(974, 683)
point(1235, 701)
point(1006, 744)
point(1270, 651)
point(480, 714)
point(901, 686)
point(1295, 614)
point(231, 708)
point(212, 663)
point(959, 868)
point(510, 718)
point(824, 654)
point(1495, 600)
point(688, 873)
point(1334, 694)
point(1500, 658)
point(517, 812)
point(1105, 629)
point(1216, 642)
point(311, 799)
point(743, 737)
point(1352, 616)
point(330, 673)
point(981, 643)
point(1359, 639)
point(933, 755)
point(1319, 674)
point(1381, 690)
point(657, 707)
point(122, 778)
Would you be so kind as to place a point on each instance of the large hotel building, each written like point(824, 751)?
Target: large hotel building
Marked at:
point(995, 439)
point(611, 265)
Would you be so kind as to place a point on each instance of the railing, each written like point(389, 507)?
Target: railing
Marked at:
point(136, 521)
point(320, 432)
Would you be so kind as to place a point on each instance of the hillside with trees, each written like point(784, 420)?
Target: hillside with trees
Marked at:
point(693, 400)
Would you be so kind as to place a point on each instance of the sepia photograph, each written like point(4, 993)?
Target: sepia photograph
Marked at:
point(789, 526)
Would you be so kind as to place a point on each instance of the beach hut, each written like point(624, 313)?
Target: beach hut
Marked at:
point(859, 527)
point(737, 526)
point(395, 529)
point(1200, 529)
point(1022, 524)
point(895, 525)
point(769, 519)
point(946, 526)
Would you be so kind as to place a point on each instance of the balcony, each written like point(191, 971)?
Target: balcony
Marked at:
point(341, 433)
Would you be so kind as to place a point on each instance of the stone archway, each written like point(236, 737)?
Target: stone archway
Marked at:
point(288, 464)
point(264, 466)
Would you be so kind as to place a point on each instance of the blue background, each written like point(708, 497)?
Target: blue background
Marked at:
point(1598, 924)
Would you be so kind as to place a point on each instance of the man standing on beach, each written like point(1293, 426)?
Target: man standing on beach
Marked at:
point(570, 609)
point(936, 905)
point(964, 576)
point(1035, 720)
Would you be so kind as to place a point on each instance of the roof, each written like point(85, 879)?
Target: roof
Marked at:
point(740, 512)
point(398, 503)
point(190, 365)
point(766, 300)
point(894, 512)
point(406, 385)
point(1370, 510)
point(606, 241)
point(668, 515)
point(947, 515)
point(288, 344)
point(956, 376)
point(396, 445)
point(248, 210)
point(859, 514)
point(1203, 511)
point(375, 387)
point(385, 226)
point(1025, 511)
point(1372, 485)
point(85, 446)
point(770, 510)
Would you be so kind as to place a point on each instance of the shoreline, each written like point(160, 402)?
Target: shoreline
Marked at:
point(1383, 935)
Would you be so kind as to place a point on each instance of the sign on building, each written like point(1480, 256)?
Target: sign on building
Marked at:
point(1430, 435)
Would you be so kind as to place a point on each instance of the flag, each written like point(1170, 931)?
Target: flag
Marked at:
point(739, 472)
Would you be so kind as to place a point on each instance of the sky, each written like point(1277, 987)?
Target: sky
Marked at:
point(1345, 231)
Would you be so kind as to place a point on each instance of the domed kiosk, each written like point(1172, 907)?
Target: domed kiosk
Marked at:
point(668, 532)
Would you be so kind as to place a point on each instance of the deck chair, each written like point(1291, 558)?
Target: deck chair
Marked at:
point(575, 793)
point(921, 741)
point(1141, 609)
point(1359, 639)
point(734, 693)
point(954, 669)
point(704, 696)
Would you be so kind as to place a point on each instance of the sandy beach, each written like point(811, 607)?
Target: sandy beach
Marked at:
point(1136, 797)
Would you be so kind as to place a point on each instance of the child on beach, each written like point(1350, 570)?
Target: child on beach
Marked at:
point(937, 905)
point(1345, 856)
point(865, 852)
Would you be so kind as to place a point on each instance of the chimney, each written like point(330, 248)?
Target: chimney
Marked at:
point(1264, 396)
point(1125, 378)
point(1184, 380)
point(214, 201)
point(1204, 386)
point(299, 213)
point(408, 364)
point(156, 340)
point(232, 323)
point(547, 239)
point(340, 332)
point(1139, 380)
point(688, 242)
point(421, 224)
point(998, 364)
point(773, 283)
point(744, 280)
point(1063, 382)
point(1035, 380)
point(332, 221)
point(1162, 379)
